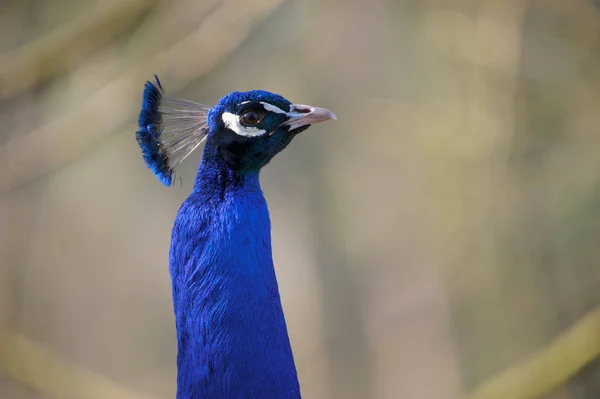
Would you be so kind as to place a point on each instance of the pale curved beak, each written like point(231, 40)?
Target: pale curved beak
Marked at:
point(302, 115)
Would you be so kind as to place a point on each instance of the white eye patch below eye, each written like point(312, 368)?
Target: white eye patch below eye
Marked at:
point(232, 122)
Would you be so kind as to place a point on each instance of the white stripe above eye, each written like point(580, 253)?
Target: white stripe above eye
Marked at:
point(272, 108)
point(232, 122)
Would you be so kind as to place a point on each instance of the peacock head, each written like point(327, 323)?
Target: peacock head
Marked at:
point(249, 128)
point(245, 129)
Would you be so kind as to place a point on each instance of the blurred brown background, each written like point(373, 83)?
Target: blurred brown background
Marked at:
point(438, 241)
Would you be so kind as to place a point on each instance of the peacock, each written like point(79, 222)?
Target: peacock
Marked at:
point(231, 332)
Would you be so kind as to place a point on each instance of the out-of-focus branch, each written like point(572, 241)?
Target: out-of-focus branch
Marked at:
point(549, 368)
point(41, 370)
point(35, 153)
point(52, 52)
point(488, 45)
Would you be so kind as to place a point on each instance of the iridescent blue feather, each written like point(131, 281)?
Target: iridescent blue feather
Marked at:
point(170, 129)
point(231, 331)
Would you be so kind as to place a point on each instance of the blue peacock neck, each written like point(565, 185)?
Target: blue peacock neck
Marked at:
point(232, 336)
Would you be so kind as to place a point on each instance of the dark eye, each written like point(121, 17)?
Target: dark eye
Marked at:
point(252, 117)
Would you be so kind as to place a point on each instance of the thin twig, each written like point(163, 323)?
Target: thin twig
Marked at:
point(549, 368)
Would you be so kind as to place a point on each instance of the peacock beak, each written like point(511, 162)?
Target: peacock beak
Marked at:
point(302, 115)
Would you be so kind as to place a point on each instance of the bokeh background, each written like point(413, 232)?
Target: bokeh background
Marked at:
point(438, 241)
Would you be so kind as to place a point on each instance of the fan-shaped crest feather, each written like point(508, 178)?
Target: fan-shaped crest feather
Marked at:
point(170, 128)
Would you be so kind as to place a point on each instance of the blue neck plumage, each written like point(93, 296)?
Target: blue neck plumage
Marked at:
point(232, 337)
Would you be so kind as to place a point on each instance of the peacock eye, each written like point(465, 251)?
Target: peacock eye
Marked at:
point(252, 117)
